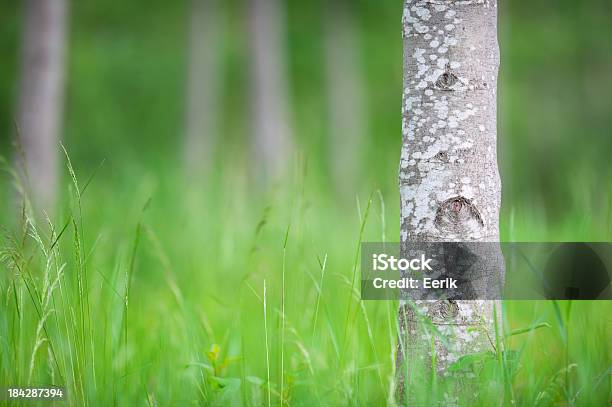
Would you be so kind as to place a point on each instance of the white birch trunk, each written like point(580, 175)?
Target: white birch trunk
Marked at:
point(203, 86)
point(272, 139)
point(449, 181)
point(348, 122)
point(41, 96)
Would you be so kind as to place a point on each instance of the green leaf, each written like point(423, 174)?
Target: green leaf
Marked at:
point(529, 329)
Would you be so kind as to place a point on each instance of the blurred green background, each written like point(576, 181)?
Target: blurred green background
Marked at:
point(203, 247)
point(127, 68)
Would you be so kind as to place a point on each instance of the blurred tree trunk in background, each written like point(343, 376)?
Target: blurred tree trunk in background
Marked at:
point(41, 97)
point(271, 130)
point(203, 86)
point(449, 182)
point(348, 120)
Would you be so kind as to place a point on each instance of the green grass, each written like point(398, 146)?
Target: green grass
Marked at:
point(153, 292)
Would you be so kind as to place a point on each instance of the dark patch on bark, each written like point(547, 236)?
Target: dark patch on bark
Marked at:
point(445, 309)
point(458, 215)
point(442, 156)
point(446, 80)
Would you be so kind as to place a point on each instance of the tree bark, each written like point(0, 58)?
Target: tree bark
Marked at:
point(348, 122)
point(203, 86)
point(272, 140)
point(449, 181)
point(41, 96)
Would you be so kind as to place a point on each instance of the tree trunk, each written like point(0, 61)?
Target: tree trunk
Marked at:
point(348, 122)
point(41, 95)
point(272, 138)
point(203, 86)
point(449, 181)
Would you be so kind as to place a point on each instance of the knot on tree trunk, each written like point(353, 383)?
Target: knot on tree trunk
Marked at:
point(458, 215)
point(445, 310)
point(446, 80)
